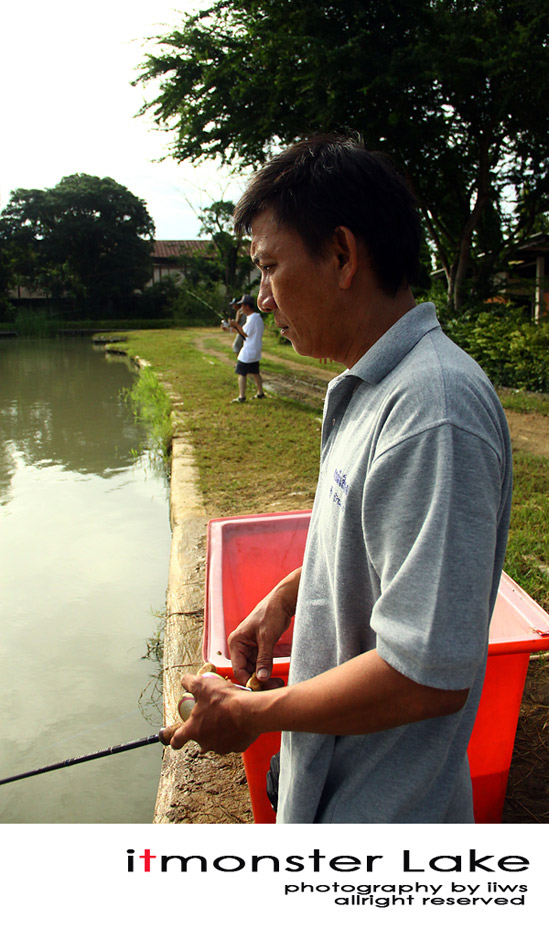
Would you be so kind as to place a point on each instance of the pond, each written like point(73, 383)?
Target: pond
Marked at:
point(84, 552)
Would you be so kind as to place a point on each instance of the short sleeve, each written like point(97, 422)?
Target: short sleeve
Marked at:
point(430, 513)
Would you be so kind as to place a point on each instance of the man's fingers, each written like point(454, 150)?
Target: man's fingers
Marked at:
point(274, 683)
point(190, 682)
point(255, 684)
point(173, 735)
point(264, 667)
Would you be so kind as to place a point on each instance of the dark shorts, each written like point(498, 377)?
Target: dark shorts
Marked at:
point(245, 369)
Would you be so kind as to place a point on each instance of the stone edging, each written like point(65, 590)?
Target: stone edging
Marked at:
point(184, 606)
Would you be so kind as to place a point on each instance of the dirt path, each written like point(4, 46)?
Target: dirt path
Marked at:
point(213, 790)
point(529, 432)
point(307, 386)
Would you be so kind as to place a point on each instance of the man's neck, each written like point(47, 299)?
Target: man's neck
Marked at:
point(375, 318)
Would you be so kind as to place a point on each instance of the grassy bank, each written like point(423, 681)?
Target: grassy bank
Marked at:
point(263, 455)
point(151, 405)
point(527, 558)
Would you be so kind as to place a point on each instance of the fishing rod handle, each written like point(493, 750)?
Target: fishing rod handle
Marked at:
point(187, 701)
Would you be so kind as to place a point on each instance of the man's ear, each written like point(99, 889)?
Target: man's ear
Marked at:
point(345, 249)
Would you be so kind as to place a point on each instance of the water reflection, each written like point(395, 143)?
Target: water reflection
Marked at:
point(59, 404)
point(84, 546)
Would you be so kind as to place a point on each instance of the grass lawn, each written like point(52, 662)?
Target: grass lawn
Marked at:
point(263, 455)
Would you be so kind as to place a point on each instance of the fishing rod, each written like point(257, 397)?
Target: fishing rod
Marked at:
point(185, 707)
point(203, 302)
point(113, 750)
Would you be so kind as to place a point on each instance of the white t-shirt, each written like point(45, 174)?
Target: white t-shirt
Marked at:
point(253, 328)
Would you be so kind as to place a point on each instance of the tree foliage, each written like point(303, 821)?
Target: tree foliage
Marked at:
point(223, 268)
point(454, 90)
point(215, 274)
point(87, 237)
point(231, 252)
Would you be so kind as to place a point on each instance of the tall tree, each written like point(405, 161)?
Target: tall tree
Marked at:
point(232, 252)
point(89, 237)
point(454, 90)
point(223, 268)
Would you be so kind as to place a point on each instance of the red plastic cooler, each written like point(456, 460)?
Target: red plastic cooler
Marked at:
point(247, 556)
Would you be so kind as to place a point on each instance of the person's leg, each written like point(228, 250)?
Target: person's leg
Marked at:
point(259, 383)
point(241, 382)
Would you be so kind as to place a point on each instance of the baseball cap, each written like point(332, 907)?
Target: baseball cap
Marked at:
point(247, 300)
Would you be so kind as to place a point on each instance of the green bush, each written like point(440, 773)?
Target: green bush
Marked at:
point(512, 350)
point(30, 322)
point(157, 301)
point(179, 304)
point(7, 310)
point(198, 306)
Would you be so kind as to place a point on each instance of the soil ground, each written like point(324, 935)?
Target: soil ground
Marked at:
point(215, 789)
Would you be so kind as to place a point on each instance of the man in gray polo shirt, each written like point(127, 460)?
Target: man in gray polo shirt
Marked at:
point(408, 531)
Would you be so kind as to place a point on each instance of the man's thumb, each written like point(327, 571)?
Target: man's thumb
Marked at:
point(263, 668)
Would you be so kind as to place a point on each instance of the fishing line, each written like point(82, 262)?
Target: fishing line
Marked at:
point(203, 302)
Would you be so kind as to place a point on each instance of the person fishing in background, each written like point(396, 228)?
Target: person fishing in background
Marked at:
point(238, 318)
point(248, 357)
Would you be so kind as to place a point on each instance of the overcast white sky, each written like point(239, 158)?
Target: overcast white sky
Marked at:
point(67, 106)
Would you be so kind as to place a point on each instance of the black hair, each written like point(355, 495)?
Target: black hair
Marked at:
point(328, 181)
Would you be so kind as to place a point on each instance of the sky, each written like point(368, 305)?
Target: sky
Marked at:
point(67, 106)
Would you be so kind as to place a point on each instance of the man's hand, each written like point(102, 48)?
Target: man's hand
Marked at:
point(252, 644)
point(362, 696)
point(218, 721)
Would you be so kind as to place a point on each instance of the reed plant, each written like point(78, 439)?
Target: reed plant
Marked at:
point(151, 405)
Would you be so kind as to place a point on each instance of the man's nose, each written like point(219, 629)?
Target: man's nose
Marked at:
point(265, 299)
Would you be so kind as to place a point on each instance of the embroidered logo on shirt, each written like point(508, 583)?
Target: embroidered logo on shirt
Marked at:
point(338, 495)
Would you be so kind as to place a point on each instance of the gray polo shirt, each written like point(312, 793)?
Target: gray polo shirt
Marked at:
point(404, 554)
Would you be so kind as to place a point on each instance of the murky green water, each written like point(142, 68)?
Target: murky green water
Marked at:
point(84, 548)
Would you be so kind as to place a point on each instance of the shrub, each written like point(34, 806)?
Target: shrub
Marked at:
point(39, 323)
point(512, 350)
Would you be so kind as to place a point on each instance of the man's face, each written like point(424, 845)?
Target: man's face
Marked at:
point(298, 289)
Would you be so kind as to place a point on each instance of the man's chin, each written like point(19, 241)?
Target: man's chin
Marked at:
point(286, 334)
point(297, 344)
point(302, 348)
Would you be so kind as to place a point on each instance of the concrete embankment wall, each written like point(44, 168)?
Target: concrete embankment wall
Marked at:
point(184, 608)
point(194, 787)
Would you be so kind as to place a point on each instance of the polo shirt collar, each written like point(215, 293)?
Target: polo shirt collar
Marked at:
point(393, 346)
